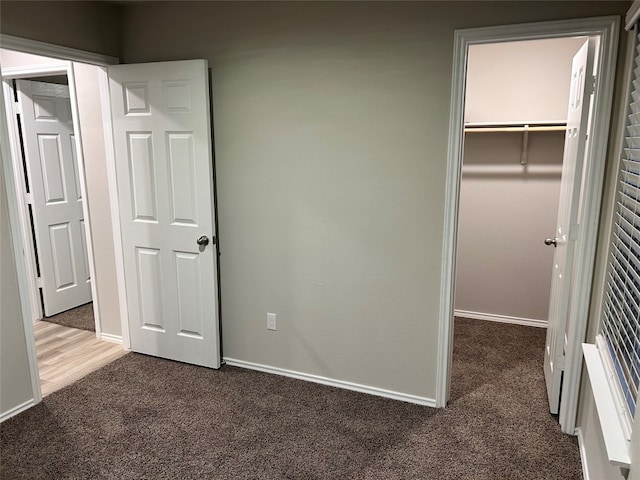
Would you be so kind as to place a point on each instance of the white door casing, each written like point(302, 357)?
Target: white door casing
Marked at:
point(163, 154)
point(51, 159)
point(568, 229)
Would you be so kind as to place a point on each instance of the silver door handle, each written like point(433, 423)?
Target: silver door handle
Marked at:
point(551, 241)
point(203, 240)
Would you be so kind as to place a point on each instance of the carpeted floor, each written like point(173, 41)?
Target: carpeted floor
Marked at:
point(142, 417)
point(80, 317)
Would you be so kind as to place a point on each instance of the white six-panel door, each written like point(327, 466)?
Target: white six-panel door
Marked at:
point(52, 172)
point(162, 143)
point(567, 230)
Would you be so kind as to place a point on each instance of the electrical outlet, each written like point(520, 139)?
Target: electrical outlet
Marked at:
point(271, 321)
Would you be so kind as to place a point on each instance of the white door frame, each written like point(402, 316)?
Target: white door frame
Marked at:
point(110, 157)
point(607, 29)
point(18, 219)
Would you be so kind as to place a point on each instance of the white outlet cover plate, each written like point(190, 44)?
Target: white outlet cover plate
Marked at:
point(271, 321)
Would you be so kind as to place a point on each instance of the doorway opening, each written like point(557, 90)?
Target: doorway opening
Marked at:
point(582, 194)
point(184, 174)
point(516, 104)
point(51, 191)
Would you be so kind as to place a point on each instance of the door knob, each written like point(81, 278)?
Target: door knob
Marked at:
point(203, 240)
point(550, 241)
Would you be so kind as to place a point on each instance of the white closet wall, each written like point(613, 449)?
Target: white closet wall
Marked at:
point(507, 209)
point(519, 81)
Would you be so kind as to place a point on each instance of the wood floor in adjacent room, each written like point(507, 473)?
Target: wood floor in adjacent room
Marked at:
point(68, 354)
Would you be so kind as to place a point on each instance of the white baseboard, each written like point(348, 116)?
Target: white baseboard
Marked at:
point(17, 409)
point(380, 392)
point(583, 454)
point(530, 322)
point(108, 337)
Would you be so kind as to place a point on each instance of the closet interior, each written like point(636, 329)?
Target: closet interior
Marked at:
point(515, 121)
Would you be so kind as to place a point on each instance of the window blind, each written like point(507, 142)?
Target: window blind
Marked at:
point(621, 311)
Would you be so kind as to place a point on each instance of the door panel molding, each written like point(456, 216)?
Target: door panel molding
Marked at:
point(57, 208)
point(164, 168)
point(606, 29)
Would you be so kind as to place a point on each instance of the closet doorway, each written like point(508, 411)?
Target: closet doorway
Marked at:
point(526, 106)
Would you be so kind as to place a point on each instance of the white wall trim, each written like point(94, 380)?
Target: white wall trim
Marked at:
point(632, 15)
point(108, 337)
point(35, 47)
point(34, 70)
point(492, 317)
point(17, 409)
point(380, 392)
point(110, 156)
point(450, 229)
point(615, 441)
point(607, 29)
point(583, 454)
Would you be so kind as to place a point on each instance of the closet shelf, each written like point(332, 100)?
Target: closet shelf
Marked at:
point(524, 128)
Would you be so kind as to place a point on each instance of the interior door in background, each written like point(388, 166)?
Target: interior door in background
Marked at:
point(164, 165)
point(567, 230)
point(52, 172)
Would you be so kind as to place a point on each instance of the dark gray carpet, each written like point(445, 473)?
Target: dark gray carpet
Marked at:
point(80, 317)
point(142, 417)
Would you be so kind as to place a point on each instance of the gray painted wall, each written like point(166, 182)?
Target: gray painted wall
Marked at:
point(86, 25)
point(330, 140)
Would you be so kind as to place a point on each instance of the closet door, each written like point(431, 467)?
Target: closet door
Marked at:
point(567, 232)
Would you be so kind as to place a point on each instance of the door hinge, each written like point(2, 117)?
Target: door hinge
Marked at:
point(574, 231)
point(591, 87)
point(28, 198)
point(560, 362)
point(39, 283)
point(17, 108)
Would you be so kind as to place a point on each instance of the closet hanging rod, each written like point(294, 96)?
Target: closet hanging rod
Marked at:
point(530, 128)
point(489, 127)
point(524, 128)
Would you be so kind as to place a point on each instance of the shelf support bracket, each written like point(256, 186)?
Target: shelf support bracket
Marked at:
point(525, 145)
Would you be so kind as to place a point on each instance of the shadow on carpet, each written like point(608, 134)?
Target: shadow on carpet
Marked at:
point(80, 317)
point(143, 417)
